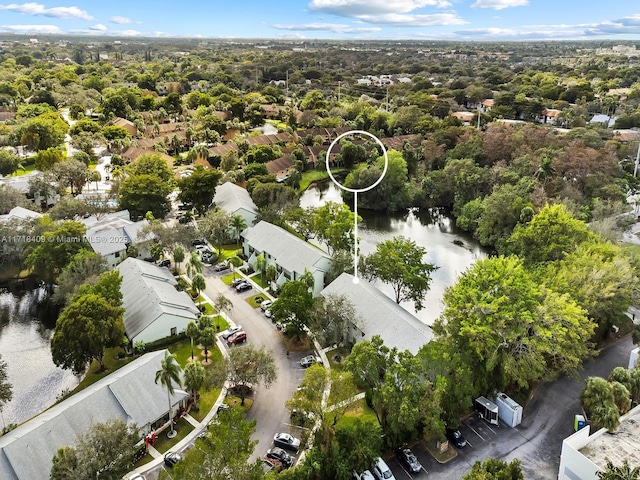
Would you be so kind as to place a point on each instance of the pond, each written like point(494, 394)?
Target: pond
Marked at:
point(448, 248)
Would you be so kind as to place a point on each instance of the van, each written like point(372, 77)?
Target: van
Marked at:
point(381, 470)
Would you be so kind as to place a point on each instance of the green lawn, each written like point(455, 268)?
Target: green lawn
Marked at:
point(228, 251)
point(315, 175)
point(256, 300)
point(207, 399)
point(111, 362)
point(257, 278)
point(358, 410)
point(20, 172)
point(227, 279)
point(182, 427)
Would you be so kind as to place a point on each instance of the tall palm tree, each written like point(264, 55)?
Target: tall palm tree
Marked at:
point(193, 379)
point(235, 262)
point(168, 375)
point(261, 265)
point(198, 152)
point(194, 265)
point(238, 223)
point(192, 331)
point(178, 255)
point(198, 283)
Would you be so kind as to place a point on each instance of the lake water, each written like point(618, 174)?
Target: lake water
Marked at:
point(25, 333)
point(447, 247)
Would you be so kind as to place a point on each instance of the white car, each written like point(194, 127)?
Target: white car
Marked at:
point(265, 305)
point(230, 331)
point(381, 470)
point(366, 475)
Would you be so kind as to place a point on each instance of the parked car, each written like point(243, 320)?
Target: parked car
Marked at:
point(185, 206)
point(221, 266)
point(455, 437)
point(165, 263)
point(279, 454)
point(286, 441)
point(381, 470)
point(309, 360)
point(366, 475)
point(265, 305)
point(267, 313)
point(198, 241)
point(269, 464)
point(171, 458)
point(243, 287)
point(407, 457)
point(202, 248)
point(237, 282)
point(238, 337)
point(230, 331)
point(183, 219)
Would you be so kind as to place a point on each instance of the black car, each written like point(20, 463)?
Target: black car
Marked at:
point(185, 206)
point(243, 287)
point(280, 455)
point(237, 282)
point(165, 263)
point(198, 241)
point(171, 458)
point(407, 457)
point(183, 219)
point(456, 437)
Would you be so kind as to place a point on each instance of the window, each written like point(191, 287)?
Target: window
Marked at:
point(174, 331)
point(117, 254)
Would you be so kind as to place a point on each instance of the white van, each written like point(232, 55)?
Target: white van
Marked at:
point(381, 470)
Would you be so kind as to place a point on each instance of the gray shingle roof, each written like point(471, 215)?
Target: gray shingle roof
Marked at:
point(129, 394)
point(380, 315)
point(290, 252)
point(148, 291)
point(113, 232)
point(231, 198)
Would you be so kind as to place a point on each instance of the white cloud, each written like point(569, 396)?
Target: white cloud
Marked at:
point(331, 27)
point(500, 4)
point(409, 20)
point(39, 9)
point(622, 26)
point(31, 28)
point(121, 20)
point(99, 27)
point(358, 8)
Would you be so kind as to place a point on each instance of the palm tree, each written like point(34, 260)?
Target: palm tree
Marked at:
point(95, 177)
point(623, 472)
point(207, 338)
point(192, 331)
point(193, 379)
point(169, 374)
point(198, 152)
point(238, 223)
point(178, 256)
point(198, 283)
point(194, 265)
point(235, 262)
point(261, 265)
point(271, 273)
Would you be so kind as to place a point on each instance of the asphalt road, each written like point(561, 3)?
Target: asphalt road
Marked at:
point(537, 441)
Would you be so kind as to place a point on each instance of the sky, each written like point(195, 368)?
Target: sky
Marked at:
point(331, 19)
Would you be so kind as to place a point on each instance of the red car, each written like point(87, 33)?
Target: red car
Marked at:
point(237, 337)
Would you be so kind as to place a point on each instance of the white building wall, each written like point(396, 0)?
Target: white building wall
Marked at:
point(161, 328)
point(573, 464)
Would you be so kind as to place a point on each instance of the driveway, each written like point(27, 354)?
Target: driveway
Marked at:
point(537, 442)
point(268, 408)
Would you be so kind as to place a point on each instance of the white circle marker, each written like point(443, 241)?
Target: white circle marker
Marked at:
point(355, 191)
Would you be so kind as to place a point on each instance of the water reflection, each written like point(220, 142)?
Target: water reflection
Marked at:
point(450, 249)
point(25, 332)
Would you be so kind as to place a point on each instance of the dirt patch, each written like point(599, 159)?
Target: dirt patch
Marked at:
point(297, 344)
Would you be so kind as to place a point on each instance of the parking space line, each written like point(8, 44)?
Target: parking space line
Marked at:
point(494, 432)
point(474, 431)
point(403, 469)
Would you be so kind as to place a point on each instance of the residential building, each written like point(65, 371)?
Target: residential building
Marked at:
point(19, 213)
point(603, 120)
point(550, 116)
point(377, 314)
point(291, 255)
point(584, 455)
point(128, 125)
point(129, 394)
point(111, 236)
point(45, 198)
point(465, 117)
point(153, 308)
point(235, 200)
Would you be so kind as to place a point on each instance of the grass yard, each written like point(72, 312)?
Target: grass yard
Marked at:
point(112, 364)
point(316, 175)
point(207, 399)
point(358, 410)
point(182, 427)
point(228, 251)
point(256, 300)
point(20, 172)
point(257, 278)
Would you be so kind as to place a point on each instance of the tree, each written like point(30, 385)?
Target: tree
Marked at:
point(60, 245)
point(334, 223)
point(294, 305)
point(71, 173)
point(307, 399)
point(194, 265)
point(178, 255)
point(508, 329)
point(332, 319)
point(144, 193)
point(8, 163)
point(622, 472)
point(207, 337)
point(10, 198)
point(168, 375)
point(192, 331)
point(222, 304)
point(6, 393)
point(273, 199)
point(223, 453)
point(238, 223)
point(84, 268)
point(261, 265)
point(599, 404)
point(198, 152)
point(42, 132)
point(95, 177)
point(250, 365)
point(399, 262)
point(552, 234)
point(91, 323)
point(198, 283)
point(493, 468)
point(151, 164)
point(234, 263)
point(105, 451)
point(193, 379)
point(215, 227)
point(199, 188)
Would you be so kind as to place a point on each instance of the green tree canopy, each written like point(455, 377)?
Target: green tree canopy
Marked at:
point(494, 469)
point(199, 188)
point(294, 305)
point(250, 365)
point(151, 164)
point(144, 193)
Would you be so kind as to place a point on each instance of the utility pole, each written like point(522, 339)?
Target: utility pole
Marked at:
point(287, 83)
point(478, 118)
point(338, 91)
